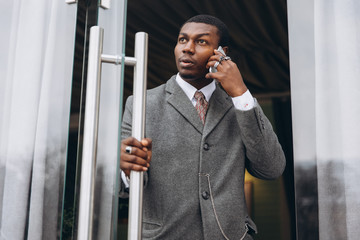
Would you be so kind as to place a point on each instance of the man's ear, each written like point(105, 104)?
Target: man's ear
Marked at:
point(226, 50)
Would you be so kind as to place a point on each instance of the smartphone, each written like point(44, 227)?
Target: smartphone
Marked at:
point(212, 69)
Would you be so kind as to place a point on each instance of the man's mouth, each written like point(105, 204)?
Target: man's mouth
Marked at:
point(186, 62)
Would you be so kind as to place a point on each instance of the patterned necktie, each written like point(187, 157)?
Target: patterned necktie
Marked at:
point(201, 105)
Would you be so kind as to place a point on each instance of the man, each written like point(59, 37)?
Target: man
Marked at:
point(195, 183)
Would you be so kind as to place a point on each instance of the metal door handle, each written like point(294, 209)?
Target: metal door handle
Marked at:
point(88, 165)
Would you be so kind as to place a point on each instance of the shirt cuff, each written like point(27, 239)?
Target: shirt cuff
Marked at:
point(244, 102)
point(125, 180)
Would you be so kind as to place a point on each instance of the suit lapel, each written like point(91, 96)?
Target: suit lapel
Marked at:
point(219, 105)
point(178, 99)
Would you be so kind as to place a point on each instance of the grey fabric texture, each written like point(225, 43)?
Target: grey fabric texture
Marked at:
point(195, 183)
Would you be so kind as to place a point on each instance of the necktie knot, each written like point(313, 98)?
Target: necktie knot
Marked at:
point(201, 105)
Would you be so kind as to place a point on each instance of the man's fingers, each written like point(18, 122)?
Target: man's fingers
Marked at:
point(139, 157)
point(217, 57)
point(147, 142)
point(218, 75)
point(149, 156)
point(127, 167)
point(137, 153)
point(136, 160)
point(131, 141)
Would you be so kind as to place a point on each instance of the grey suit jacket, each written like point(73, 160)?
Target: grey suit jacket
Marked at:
point(195, 183)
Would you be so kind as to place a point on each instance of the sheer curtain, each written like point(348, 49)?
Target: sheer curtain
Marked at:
point(337, 54)
point(36, 45)
point(324, 38)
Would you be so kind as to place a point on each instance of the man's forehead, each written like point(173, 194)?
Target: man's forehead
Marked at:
point(198, 28)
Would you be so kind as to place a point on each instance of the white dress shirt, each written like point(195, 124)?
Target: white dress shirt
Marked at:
point(244, 102)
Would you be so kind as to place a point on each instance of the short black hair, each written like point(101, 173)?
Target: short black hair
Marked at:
point(211, 20)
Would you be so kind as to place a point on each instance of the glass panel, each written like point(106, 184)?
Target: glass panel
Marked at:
point(36, 73)
point(86, 17)
point(302, 66)
point(113, 21)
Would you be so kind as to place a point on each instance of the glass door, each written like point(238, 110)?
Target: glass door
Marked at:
point(110, 16)
point(43, 76)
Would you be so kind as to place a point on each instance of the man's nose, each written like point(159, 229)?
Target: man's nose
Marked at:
point(189, 47)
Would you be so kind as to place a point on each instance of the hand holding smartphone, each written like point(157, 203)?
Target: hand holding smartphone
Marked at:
point(213, 69)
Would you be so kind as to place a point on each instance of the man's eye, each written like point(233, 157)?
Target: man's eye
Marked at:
point(202, 41)
point(182, 40)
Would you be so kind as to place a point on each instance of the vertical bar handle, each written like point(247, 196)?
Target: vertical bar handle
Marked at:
point(88, 165)
point(138, 131)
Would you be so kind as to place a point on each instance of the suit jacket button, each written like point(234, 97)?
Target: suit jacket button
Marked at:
point(206, 146)
point(205, 195)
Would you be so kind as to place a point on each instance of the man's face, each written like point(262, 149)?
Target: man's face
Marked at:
point(195, 45)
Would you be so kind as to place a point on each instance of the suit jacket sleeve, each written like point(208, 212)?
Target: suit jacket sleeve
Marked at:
point(265, 157)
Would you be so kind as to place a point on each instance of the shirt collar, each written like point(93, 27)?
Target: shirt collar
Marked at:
point(190, 90)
